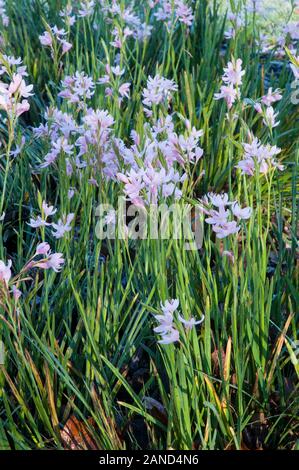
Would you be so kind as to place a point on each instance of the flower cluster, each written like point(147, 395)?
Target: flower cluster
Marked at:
point(167, 328)
point(260, 157)
point(222, 218)
point(11, 96)
point(77, 88)
point(232, 79)
point(265, 108)
point(91, 136)
point(86, 8)
point(111, 79)
point(3, 14)
point(128, 23)
point(60, 228)
point(152, 174)
point(158, 90)
point(54, 38)
point(67, 16)
point(172, 11)
point(43, 258)
point(11, 65)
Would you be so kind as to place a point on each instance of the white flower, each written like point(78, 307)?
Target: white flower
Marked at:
point(62, 226)
point(244, 213)
point(5, 272)
point(270, 118)
point(191, 322)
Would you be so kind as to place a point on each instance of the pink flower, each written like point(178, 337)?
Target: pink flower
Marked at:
point(244, 213)
point(219, 217)
point(219, 200)
point(167, 328)
point(170, 306)
point(172, 336)
point(22, 107)
point(5, 272)
point(38, 222)
point(191, 322)
point(48, 210)
point(226, 229)
point(158, 89)
point(16, 293)
point(66, 46)
point(42, 249)
point(62, 226)
point(184, 13)
point(258, 108)
point(228, 93)
point(55, 262)
point(270, 118)
point(271, 97)
point(229, 255)
point(46, 39)
point(18, 85)
point(233, 73)
point(124, 90)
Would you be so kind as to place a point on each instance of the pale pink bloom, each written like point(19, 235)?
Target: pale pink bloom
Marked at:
point(170, 306)
point(5, 272)
point(48, 210)
point(55, 262)
point(229, 255)
point(71, 193)
point(191, 322)
point(66, 46)
point(219, 200)
point(166, 323)
point(226, 229)
point(246, 166)
point(158, 89)
point(42, 249)
point(219, 217)
point(15, 83)
point(63, 226)
point(184, 12)
point(172, 336)
point(103, 80)
point(228, 93)
point(22, 107)
point(233, 73)
point(124, 90)
point(258, 108)
point(271, 97)
point(117, 71)
point(46, 39)
point(99, 119)
point(18, 85)
point(16, 293)
point(110, 218)
point(244, 213)
point(38, 222)
point(108, 91)
point(270, 118)
point(86, 8)
point(167, 328)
